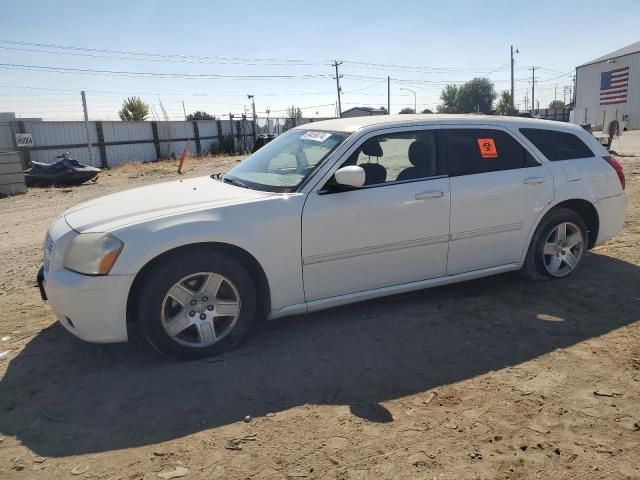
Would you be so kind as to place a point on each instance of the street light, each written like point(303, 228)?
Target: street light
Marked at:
point(415, 101)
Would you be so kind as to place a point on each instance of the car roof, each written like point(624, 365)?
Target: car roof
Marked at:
point(353, 124)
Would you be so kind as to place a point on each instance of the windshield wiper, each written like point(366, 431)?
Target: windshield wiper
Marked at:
point(235, 181)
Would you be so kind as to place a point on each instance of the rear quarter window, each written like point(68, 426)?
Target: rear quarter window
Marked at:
point(482, 150)
point(556, 145)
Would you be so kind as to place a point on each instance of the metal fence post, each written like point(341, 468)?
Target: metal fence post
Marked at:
point(219, 125)
point(101, 146)
point(156, 140)
point(233, 145)
point(196, 134)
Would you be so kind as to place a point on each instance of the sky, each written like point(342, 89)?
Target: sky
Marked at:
point(211, 55)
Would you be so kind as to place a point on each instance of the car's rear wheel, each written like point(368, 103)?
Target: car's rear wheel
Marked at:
point(196, 304)
point(558, 246)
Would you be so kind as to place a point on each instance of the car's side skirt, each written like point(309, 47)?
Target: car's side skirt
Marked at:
point(330, 302)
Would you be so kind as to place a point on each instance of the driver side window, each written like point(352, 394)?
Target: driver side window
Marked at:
point(396, 157)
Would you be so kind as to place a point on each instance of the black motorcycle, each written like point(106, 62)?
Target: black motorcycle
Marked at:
point(66, 171)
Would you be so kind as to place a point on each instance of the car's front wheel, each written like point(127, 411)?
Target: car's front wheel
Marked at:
point(196, 304)
point(558, 246)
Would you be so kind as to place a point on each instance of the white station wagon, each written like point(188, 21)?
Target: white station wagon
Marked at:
point(327, 214)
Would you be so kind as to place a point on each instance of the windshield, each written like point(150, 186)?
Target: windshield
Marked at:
point(285, 162)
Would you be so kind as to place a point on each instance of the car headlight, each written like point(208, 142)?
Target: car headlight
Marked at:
point(92, 253)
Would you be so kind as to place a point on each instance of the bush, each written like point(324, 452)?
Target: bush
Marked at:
point(226, 144)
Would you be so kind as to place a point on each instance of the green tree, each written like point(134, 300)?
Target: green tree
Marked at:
point(449, 97)
point(557, 104)
point(476, 95)
point(198, 115)
point(133, 110)
point(407, 110)
point(426, 110)
point(503, 107)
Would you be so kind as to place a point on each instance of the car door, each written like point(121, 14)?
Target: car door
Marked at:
point(497, 191)
point(391, 231)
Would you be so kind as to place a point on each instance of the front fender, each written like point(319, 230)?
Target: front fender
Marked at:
point(268, 229)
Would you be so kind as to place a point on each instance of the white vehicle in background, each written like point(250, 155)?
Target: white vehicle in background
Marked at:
point(328, 214)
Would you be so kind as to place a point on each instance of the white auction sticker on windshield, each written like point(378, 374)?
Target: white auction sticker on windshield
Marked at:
point(315, 136)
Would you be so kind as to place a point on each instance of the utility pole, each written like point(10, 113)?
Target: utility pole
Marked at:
point(338, 77)
point(388, 95)
point(253, 109)
point(533, 86)
point(184, 111)
point(268, 127)
point(555, 93)
point(512, 63)
point(526, 100)
point(86, 126)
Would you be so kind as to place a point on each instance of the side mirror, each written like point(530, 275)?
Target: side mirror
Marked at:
point(351, 176)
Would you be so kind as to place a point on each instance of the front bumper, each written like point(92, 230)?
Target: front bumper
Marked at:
point(40, 279)
point(92, 308)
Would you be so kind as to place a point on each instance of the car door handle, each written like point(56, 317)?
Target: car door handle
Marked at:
point(534, 180)
point(428, 195)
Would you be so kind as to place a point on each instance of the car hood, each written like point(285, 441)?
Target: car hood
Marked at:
point(153, 201)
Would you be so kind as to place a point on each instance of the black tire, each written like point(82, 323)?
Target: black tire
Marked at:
point(534, 266)
point(165, 274)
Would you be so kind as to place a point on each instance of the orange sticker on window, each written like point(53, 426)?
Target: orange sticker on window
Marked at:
point(487, 148)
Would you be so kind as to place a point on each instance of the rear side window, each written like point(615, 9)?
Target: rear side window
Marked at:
point(557, 145)
point(476, 150)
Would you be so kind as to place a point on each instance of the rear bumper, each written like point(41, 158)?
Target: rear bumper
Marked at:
point(611, 212)
point(92, 308)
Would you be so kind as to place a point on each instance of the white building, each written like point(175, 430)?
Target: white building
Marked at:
point(609, 88)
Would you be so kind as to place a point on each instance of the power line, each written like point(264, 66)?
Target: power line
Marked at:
point(365, 88)
point(207, 76)
point(163, 60)
point(155, 56)
point(148, 54)
point(181, 58)
point(554, 78)
point(72, 92)
point(428, 69)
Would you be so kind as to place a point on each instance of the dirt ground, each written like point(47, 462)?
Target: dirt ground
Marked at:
point(495, 378)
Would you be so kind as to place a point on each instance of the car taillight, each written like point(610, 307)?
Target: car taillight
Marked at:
point(617, 166)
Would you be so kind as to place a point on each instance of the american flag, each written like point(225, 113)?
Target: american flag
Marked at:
point(613, 86)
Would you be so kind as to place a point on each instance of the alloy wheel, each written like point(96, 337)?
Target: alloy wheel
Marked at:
point(563, 249)
point(200, 309)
